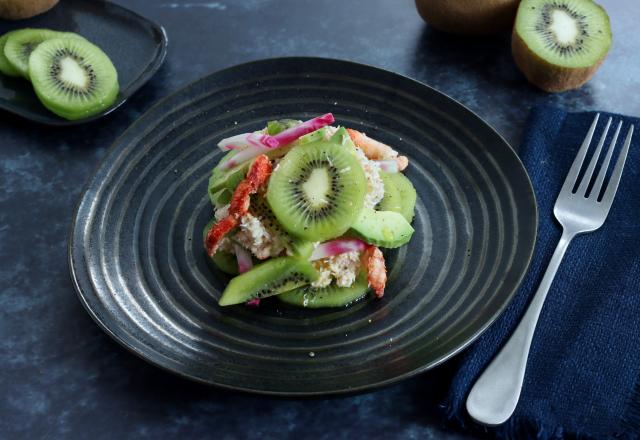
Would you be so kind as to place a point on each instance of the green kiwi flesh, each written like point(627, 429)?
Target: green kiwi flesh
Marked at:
point(21, 43)
point(559, 44)
point(5, 65)
point(73, 78)
point(317, 191)
point(382, 228)
point(272, 277)
point(330, 296)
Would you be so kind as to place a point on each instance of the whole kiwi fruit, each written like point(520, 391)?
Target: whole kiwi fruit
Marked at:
point(469, 17)
point(19, 9)
point(559, 44)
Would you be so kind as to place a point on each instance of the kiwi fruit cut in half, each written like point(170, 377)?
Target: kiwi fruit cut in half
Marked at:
point(330, 296)
point(5, 65)
point(470, 17)
point(73, 78)
point(23, 42)
point(270, 278)
point(382, 228)
point(20, 9)
point(399, 195)
point(559, 44)
point(317, 191)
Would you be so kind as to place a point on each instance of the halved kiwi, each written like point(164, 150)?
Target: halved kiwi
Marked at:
point(559, 44)
point(21, 43)
point(468, 17)
point(72, 77)
point(330, 296)
point(317, 191)
point(267, 279)
point(5, 65)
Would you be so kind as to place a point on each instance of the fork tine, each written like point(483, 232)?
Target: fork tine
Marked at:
point(572, 176)
point(597, 186)
point(586, 179)
point(612, 186)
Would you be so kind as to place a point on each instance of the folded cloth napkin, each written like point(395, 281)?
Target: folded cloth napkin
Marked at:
point(583, 372)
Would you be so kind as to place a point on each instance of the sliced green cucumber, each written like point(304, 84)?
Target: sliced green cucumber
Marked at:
point(383, 228)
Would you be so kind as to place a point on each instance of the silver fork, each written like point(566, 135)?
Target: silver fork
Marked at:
point(495, 394)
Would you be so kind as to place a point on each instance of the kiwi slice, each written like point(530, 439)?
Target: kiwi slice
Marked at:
point(21, 44)
point(270, 278)
point(72, 77)
point(260, 208)
point(317, 191)
point(330, 296)
point(399, 195)
point(383, 228)
point(559, 44)
point(5, 65)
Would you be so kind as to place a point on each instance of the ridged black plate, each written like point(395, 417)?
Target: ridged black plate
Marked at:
point(140, 270)
point(136, 45)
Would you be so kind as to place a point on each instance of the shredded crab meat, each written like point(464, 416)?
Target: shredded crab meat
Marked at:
point(255, 237)
point(375, 186)
point(257, 175)
point(343, 269)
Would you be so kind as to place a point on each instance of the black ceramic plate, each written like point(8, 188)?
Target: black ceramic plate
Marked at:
point(136, 46)
point(140, 269)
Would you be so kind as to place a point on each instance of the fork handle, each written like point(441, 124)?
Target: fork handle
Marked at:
point(495, 394)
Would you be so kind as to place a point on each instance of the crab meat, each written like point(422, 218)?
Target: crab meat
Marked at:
point(258, 174)
point(373, 260)
point(376, 150)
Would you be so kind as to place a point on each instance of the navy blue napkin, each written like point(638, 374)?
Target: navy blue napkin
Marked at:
point(583, 372)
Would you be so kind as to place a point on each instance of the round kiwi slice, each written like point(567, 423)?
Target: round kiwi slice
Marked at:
point(23, 42)
point(317, 191)
point(5, 65)
point(559, 44)
point(270, 278)
point(330, 296)
point(73, 78)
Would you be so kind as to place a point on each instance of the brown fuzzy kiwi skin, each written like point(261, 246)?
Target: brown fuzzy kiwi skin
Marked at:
point(19, 9)
point(547, 76)
point(469, 17)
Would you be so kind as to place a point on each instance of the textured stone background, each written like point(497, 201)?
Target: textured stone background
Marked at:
point(62, 376)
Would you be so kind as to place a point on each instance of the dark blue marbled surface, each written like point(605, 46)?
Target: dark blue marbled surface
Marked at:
point(61, 376)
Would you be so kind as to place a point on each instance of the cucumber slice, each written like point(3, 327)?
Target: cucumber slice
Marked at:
point(330, 296)
point(399, 195)
point(383, 228)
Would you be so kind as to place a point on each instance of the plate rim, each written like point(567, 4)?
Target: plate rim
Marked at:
point(343, 391)
point(147, 73)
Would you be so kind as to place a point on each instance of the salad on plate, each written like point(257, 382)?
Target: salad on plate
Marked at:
point(302, 210)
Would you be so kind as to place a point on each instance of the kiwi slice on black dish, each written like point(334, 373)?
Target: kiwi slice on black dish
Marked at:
point(270, 278)
point(260, 208)
point(559, 44)
point(73, 78)
point(317, 191)
point(330, 296)
point(5, 65)
point(21, 44)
